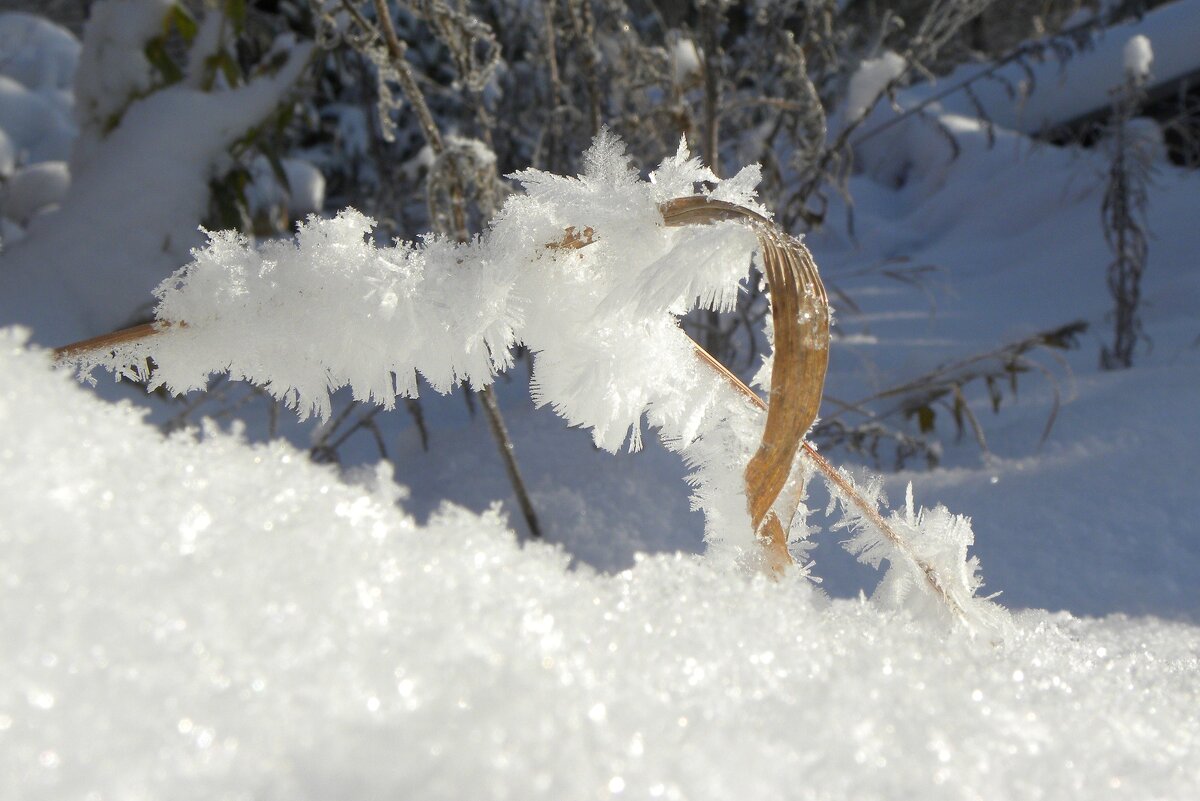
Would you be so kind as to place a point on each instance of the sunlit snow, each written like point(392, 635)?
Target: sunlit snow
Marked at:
point(209, 619)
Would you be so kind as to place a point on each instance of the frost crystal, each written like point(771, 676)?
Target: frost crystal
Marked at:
point(334, 309)
point(929, 571)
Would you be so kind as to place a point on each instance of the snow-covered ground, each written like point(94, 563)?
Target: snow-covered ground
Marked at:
point(1048, 90)
point(201, 617)
point(200, 620)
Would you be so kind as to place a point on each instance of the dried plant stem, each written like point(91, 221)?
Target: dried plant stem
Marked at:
point(710, 15)
point(397, 51)
point(554, 126)
point(844, 487)
point(801, 328)
point(500, 432)
point(109, 341)
point(710, 21)
point(800, 313)
point(1123, 212)
point(584, 23)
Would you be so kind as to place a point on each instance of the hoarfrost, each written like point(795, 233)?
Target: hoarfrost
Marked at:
point(601, 321)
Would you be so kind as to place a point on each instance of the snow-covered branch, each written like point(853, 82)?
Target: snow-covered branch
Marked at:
point(598, 306)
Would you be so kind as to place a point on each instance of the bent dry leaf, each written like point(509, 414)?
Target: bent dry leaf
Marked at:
point(800, 315)
point(800, 312)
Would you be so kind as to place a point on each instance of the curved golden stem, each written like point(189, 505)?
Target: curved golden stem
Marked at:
point(800, 319)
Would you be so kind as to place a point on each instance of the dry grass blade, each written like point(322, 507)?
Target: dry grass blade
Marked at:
point(800, 313)
point(106, 342)
point(847, 490)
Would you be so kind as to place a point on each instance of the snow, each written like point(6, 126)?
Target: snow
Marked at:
point(306, 187)
point(1113, 462)
point(869, 81)
point(1138, 57)
point(113, 69)
point(130, 217)
point(1052, 93)
point(37, 53)
point(1100, 519)
point(685, 60)
point(303, 194)
point(308, 640)
point(8, 155)
point(205, 46)
point(31, 189)
point(37, 65)
point(39, 127)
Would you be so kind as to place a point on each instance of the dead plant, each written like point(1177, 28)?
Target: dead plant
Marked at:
point(801, 334)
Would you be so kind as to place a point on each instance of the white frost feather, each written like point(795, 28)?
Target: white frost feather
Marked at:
point(333, 309)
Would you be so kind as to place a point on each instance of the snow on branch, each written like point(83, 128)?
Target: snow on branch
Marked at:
point(591, 274)
point(333, 308)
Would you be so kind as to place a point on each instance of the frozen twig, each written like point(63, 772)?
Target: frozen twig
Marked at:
point(801, 332)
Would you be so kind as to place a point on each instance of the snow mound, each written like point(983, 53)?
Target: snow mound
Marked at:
point(38, 125)
point(37, 64)
point(1044, 93)
point(197, 618)
point(36, 52)
point(34, 188)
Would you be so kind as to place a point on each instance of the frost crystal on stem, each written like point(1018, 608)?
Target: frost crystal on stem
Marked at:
point(590, 273)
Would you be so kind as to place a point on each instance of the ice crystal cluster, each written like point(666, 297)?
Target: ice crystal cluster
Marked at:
point(580, 270)
point(334, 309)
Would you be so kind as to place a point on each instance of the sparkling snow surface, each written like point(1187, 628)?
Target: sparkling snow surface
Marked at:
point(211, 620)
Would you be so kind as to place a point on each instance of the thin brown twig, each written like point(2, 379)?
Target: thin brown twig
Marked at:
point(109, 341)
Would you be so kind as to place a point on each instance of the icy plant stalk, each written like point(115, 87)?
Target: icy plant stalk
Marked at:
point(1124, 208)
point(929, 571)
point(583, 271)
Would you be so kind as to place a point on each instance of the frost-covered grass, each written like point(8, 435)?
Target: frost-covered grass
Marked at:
point(200, 617)
point(210, 619)
point(601, 321)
